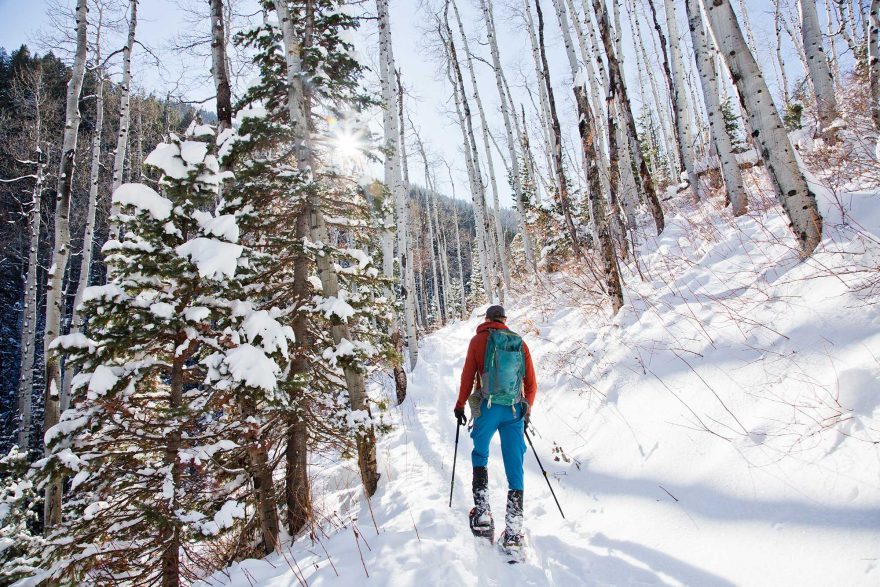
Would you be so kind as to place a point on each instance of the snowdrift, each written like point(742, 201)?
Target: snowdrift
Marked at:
point(722, 429)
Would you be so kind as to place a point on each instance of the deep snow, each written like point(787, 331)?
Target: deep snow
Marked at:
point(721, 430)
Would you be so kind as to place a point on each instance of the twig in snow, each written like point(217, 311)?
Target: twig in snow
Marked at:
point(330, 560)
point(414, 526)
point(370, 507)
point(667, 493)
point(357, 542)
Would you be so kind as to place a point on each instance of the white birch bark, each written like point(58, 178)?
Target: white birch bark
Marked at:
point(664, 103)
point(874, 62)
point(546, 128)
point(60, 254)
point(747, 25)
point(437, 262)
point(685, 137)
point(832, 39)
point(394, 181)
point(820, 71)
point(496, 238)
point(618, 94)
point(30, 303)
point(124, 113)
point(463, 307)
point(562, 194)
point(780, 64)
point(489, 18)
point(444, 251)
point(472, 163)
point(730, 171)
point(791, 187)
point(220, 66)
point(85, 264)
point(661, 109)
point(590, 161)
point(299, 112)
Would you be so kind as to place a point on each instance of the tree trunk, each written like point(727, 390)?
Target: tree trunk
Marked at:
point(85, 265)
point(486, 6)
point(562, 194)
point(261, 478)
point(297, 490)
point(299, 111)
point(590, 162)
point(673, 67)
point(220, 67)
point(601, 226)
point(791, 187)
point(874, 62)
point(472, 162)
point(124, 113)
point(171, 532)
point(61, 252)
point(433, 222)
point(618, 93)
point(30, 303)
point(394, 182)
point(820, 71)
point(463, 309)
point(733, 182)
point(496, 238)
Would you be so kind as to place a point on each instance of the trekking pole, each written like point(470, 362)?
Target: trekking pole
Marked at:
point(455, 458)
point(553, 493)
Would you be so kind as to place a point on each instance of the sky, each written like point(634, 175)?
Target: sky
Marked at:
point(428, 96)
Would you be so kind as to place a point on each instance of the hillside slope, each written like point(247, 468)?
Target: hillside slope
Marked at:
point(722, 430)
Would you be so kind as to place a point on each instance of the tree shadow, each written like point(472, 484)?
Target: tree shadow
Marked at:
point(624, 563)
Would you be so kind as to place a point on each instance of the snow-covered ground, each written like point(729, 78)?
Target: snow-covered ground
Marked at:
point(721, 430)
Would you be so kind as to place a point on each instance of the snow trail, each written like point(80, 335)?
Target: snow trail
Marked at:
point(718, 432)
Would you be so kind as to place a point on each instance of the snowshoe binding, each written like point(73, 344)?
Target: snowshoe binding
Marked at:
point(482, 525)
point(512, 543)
point(512, 546)
point(481, 521)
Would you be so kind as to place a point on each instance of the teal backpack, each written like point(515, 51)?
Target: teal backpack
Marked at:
point(504, 368)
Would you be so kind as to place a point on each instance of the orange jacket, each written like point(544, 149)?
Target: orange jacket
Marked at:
point(473, 364)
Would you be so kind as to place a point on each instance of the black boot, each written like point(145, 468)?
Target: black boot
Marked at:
point(513, 535)
point(481, 516)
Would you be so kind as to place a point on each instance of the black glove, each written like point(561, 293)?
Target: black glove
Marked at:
point(527, 413)
point(459, 416)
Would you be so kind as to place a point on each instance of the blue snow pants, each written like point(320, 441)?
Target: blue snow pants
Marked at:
point(508, 421)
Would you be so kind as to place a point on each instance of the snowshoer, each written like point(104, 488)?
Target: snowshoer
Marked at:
point(498, 383)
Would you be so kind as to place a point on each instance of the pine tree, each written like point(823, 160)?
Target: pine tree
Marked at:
point(732, 125)
point(19, 547)
point(145, 436)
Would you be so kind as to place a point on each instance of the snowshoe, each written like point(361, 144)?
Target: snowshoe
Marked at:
point(482, 525)
point(513, 547)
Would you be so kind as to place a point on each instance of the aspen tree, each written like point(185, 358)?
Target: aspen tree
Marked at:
point(619, 94)
point(55, 300)
point(874, 62)
point(792, 190)
point(496, 238)
point(562, 194)
point(590, 161)
point(488, 17)
point(394, 183)
point(730, 170)
point(85, 265)
point(673, 67)
point(32, 84)
point(124, 109)
point(472, 163)
point(819, 69)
